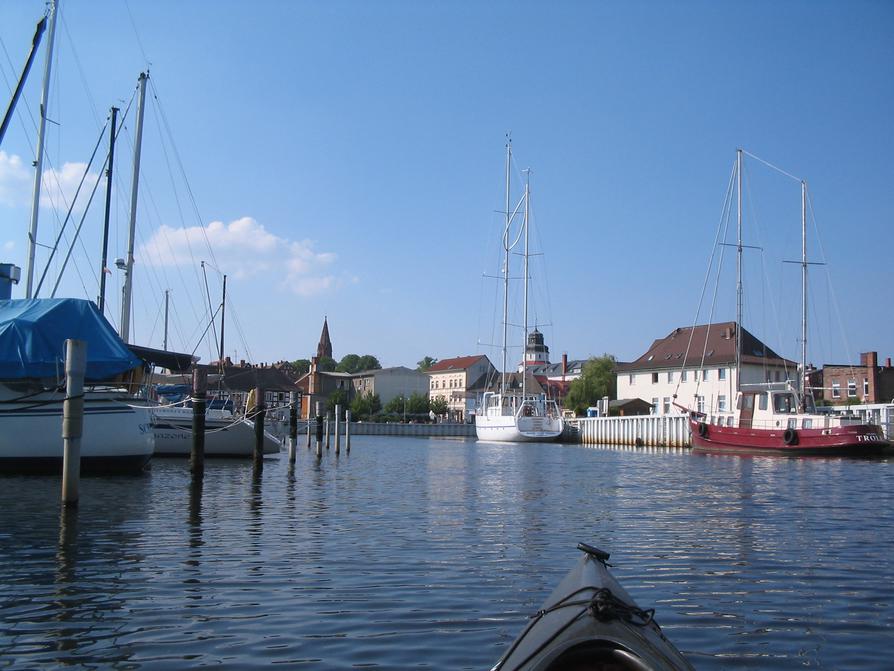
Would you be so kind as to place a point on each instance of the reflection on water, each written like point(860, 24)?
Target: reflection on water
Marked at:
point(414, 552)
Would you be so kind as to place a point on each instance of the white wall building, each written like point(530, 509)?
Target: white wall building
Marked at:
point(450, 379)
point(389, 383)
point(665, 369)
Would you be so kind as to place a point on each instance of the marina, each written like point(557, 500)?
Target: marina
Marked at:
point(412, 552)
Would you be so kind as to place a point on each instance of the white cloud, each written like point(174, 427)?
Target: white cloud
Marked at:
point(58, 186)
point(244, 248)
point(14, 177)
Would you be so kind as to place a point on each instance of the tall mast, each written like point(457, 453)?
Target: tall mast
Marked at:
point(167, 297)
point(525, 323)
point(223, 309)
point(506, 246)
point(38, 161)
point(32, 52)
point(738, 267)
point(103, 268)
point(801, 380)
point(128, 271)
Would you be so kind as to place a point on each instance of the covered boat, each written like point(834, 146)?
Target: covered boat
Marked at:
point(590, 622)
point(117, 437)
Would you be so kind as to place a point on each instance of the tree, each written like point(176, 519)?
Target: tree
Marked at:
point(354, 363)
point(365, 406)
point(597, 380)
point(368, 362)
point(417, 404)
point(426, 363)
point(438, 405)
point(396, 405)
point(301, 366)
point(326, 364)
point(338, 397)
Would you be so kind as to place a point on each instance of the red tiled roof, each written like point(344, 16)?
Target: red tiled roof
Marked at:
point(458, 363)
point(720, 349)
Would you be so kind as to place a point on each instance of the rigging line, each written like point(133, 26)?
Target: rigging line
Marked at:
point(773, 167)
point(136, 33)
point(248, 355)
point(210, 304)
point(80, 69)
point(77, 233)
point(204, 333)
point(727, 204)
point(189, 190)
point(71, 209)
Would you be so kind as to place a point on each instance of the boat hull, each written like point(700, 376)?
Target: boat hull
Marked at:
point(583, 625)
point(225, 435)
point(117, 438)
point(511, 429)
point(850, 440)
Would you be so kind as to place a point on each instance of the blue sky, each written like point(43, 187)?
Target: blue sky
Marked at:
point(346, 159)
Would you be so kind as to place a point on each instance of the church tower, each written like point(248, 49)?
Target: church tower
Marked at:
point(324, 348)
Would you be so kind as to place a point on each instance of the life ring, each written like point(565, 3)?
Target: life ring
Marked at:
point(790, 437)
point(702, 429)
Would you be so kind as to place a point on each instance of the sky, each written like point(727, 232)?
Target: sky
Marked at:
point(346, 160)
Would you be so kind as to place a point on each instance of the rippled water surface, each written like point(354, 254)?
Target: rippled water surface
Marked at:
point(415, 553)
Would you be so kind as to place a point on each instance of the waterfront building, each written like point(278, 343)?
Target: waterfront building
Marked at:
point(454, 379)
point(389, 383)
point(847, 383)
point(238, 380)
point(665, 369)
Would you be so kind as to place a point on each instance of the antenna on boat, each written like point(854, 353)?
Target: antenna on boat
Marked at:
point(738, 265)
point(38, 161)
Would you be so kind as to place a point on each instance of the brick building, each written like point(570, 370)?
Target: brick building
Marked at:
point(864, 383)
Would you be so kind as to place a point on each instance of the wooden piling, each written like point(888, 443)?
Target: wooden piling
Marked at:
point(260, 412)
point(308, 428)
point(327, 430)
point(293, 415)
point(337, 437)
point(319, 436)
point(73, 419)
point(199, 403)
point(348, 431)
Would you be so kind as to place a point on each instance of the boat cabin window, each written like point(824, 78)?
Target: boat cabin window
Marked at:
point(784, 403)
point(762, 401)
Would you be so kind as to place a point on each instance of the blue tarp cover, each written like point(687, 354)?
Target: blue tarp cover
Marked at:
point(33, 334)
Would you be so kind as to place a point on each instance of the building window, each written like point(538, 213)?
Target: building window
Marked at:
point(655, 406)
point(865, 387)
point(670, 376)
point(683, 375)
point(852, 389)
point(704, 375)
point(654, 378)
point(721, 373)
point(631, 378)
point(721, 402)
point(700, 403)
point(836, 390)
point(667, 405)
point(779, 376)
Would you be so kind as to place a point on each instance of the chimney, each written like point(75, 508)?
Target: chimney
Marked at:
point(869, 359)
point(565, 364)
point(888, 362)
point(241, 363)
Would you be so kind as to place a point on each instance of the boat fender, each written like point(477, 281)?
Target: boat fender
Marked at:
point(790, 437)
point(702, 429)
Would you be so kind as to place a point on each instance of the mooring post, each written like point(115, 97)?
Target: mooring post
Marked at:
point(308, 428)
point(337, 438)
point(199, 401)
point(293, 415)
point(72, 420)
point(348, 431)
point(319, 436)
point(260, 412)
point(327, 430)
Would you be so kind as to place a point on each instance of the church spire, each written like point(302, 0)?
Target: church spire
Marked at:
point(324, 348)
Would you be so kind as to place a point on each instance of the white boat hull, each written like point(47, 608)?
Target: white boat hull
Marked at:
point(117, 438)
point(225, 435)
point(508, 428)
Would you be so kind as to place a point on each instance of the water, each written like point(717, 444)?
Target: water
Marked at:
point(415, 553)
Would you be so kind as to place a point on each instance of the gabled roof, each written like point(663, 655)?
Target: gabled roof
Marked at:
point(456, 364)
point(719, 350)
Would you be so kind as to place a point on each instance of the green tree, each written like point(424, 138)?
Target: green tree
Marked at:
point(365, 406)
point(396, 405)
point(597, 379)
point(348, 364)
point(368, 362)
point(417, 404)
point(302, 366)
point(326, 364)
point(426, 363)
point(338, 397)
point(438, 405)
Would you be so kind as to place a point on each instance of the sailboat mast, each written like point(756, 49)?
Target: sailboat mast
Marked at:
point(738, 267)
point(506, 267)
point(128, 272)
point(525, 323)
point(38, 162)
point(223, 309)
point(167, 298)
point(103, 269)
point(802, 385)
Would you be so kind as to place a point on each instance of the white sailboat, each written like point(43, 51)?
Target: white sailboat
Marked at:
point(516, 416)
